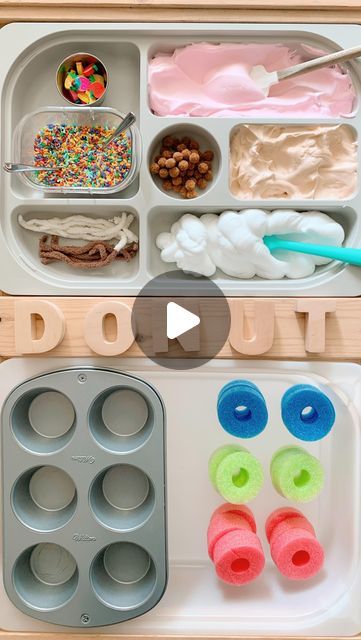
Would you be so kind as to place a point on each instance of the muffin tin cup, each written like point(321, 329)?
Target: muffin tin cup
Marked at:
point(154, 208)
point(43, 421)
point(93, 513)
point(123, 573)
point(44, 498)
point(45, 577)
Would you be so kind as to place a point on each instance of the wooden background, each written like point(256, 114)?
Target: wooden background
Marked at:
point(181, 10)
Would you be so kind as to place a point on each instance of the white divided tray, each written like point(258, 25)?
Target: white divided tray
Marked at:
point(30, 55)
point(195, 601)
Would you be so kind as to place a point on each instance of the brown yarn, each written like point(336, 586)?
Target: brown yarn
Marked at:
point(89, 256)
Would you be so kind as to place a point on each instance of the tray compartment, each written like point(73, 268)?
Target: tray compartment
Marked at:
point(288, 160)
point(162, 217)
point(206, 142)
point(25, 244)
point(278, 35)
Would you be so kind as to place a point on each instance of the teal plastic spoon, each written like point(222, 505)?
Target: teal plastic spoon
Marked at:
point(343, 254)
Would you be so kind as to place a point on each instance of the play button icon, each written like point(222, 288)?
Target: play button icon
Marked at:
point(180, 321)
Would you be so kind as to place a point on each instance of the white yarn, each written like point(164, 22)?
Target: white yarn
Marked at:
point(86, 228)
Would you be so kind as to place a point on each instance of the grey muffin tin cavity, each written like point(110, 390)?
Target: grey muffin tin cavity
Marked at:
point(31, 55)
point(84, 497)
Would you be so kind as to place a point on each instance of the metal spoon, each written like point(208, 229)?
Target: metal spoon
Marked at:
point(12, 167)
point(127, 121)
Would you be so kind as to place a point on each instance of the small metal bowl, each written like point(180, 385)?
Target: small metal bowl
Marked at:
point(69, 63)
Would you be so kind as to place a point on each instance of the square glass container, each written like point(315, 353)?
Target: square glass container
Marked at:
point(30, 125)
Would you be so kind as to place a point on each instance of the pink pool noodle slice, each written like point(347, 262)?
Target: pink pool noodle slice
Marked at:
point(297, 554)
point(285, 516)
point(226, 518)
point(295, 549)
point(238, 557)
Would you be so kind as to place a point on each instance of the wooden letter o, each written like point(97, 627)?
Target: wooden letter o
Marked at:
point(94, 331)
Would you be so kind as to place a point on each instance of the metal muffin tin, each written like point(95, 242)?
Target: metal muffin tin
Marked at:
point(31, 54)
point(84, 529)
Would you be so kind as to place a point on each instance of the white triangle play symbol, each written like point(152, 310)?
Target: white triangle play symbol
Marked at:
point(179, 320)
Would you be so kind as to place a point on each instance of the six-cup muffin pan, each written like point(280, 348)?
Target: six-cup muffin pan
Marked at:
point(27, 80)
point(84, 497)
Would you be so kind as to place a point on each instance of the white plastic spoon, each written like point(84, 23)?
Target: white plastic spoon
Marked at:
point(265, 79)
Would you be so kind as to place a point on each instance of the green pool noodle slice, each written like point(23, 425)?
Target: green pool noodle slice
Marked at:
point(296, 474)
point(236, 474)
point(216, 458)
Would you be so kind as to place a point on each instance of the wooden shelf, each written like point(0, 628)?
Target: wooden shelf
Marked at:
point(288, 328)
point(347, 11)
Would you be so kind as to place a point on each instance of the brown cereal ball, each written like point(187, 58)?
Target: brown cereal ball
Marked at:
point(207, 155)
point(183, 165)
point(163, 173)
point(203, 167)
point(167, 154)
point(208, 176)
point(170, 163)
point(186, 153)
point(194, 157)
point(183, 192)
point(194, 144)
point(191, 194)
point(178, 156)
point(191, 166)
point(190, 185)
point(161, 162)
point(202, 183)
point(167, 185)
point(180, 147)
point(177, 181)
point(168, 141)
point(197, 175)
point(190, 174)
point(186, 140)
point(154, 167)
point(177, 188)
point(174, 172)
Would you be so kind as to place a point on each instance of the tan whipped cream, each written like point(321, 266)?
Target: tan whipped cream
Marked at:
point(277, 161)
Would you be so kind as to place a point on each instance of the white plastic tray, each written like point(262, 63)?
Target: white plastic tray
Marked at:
point(30, 54)
point(196, 602)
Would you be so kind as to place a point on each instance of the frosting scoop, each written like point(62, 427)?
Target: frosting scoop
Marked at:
point(233, 243)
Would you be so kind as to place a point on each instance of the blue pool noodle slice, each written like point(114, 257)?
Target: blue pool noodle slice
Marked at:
point(318, 423)
point(242, 393)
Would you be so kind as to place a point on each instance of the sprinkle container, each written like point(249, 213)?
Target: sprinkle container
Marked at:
point(40, 137)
